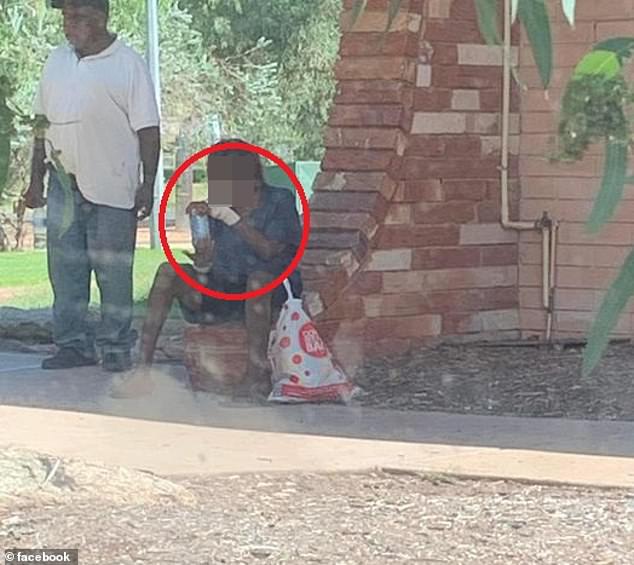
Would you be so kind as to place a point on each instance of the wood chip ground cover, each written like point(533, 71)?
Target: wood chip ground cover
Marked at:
point(375, 518)
point(508, 381)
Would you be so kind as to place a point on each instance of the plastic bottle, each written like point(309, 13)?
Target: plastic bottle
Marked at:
point(199, 224)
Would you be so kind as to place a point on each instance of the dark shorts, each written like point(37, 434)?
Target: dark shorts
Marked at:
point(214, 310)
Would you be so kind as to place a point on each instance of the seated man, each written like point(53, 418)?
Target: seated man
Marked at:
point(255, 233)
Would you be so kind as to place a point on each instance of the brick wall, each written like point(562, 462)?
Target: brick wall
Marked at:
point(406, 244)
point(586, 263)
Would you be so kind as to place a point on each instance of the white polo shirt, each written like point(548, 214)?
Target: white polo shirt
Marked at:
point(96, 105)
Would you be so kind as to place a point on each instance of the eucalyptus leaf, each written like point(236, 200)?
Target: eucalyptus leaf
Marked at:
point(393, 10)
point(612, 185)
point(488, 21)
point(622, 46)
point(568, 7)
point(614, 302)
point(357, 10)
point(535, 19)
point(514, 7)
point(599, 62)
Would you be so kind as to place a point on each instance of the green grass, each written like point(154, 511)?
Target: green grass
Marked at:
point(24, 279)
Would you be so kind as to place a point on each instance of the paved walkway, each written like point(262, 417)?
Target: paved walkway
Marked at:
point(175, 432)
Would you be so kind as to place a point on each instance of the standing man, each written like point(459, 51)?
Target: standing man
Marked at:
point(97, 95)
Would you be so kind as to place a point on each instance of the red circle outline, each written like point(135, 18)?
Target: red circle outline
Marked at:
point(163, 212)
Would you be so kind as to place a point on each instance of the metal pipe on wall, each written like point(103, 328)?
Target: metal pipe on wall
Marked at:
point(545, 224)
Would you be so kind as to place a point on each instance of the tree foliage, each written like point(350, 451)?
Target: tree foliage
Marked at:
point(265, 67)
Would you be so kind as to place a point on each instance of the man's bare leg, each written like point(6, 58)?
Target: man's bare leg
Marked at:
point(166, 288)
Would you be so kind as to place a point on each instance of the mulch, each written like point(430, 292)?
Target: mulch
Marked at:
point(374, 518)
point(504, 381)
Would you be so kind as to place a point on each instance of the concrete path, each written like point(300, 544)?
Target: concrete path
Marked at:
point(177, 449)
point(176, 432)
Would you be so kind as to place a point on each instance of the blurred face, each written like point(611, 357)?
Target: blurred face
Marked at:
point(83, 25)
point(232, 181)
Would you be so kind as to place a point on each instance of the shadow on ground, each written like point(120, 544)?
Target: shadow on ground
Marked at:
point(22, 383)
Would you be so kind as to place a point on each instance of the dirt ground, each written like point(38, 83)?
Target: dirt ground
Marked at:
point(506, 381)
point(359, 519)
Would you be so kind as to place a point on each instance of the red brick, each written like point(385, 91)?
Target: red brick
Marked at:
point(365, 138)
point(463, 10)
point(446, 258)
point(491, 99)
point(446, 213)
point(464, 189)
point(365, 283)
point(357, 160)
point(563, 55)
point(332, 181)
point(345, 308)
point(466, 77)
point(432, 99)
point(399, 214)
point(606, 11)
point(341, 239)
point(583, 32)
point(369, 202)
point(591, 166)
point(419, 191)
point(425, 146)
point(537, 100)
point(463, 145)
point(392, 237)
point(476, 299)
point(450, 31)
point(370, 92)
point(496, 255)
point(489, 211)
point(395, 170)
point(368, 68)
point(369, 44)
point(486, 321)
point(403, 304)
point(531, 78)
point(606, 30)
point(479, 277)
point(351, 220)
point(402, 327)
point(499, 298)
point(315, 256)
point(444, 54)
point(328, 292)
point(366, 115)
point(451, 168)
point(408, 304)
point(539, 122)
point(311, 272)
point(442, 145)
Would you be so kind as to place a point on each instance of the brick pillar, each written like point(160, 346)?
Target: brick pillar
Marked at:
point(406, 243)
point(366, 140)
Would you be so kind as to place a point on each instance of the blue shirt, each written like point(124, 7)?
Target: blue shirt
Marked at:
point(277, 220)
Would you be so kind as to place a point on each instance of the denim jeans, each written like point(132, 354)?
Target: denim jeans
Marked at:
point(102, 240)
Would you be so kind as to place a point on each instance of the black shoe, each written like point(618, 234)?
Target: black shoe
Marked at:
point(117, 362)
point(67, 358)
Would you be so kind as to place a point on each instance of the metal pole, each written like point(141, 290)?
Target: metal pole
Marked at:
point(153, 59)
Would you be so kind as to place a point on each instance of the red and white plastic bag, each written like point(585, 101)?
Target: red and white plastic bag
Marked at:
point(303, 367)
